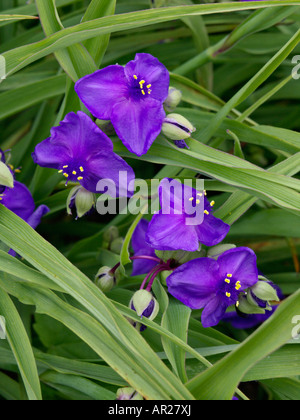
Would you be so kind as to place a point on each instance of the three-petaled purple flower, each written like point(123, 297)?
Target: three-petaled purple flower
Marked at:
point(140, 247)
point(131, 97)
point(82, 153)
point(214, 285)
point(185, 220)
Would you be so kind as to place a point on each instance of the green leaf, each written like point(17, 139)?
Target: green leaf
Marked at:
point(20, 345)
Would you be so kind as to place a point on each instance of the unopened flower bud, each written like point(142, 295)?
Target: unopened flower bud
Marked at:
point(145, 305)
point(80, 200)
point(128, 394)
point(105, 280)
point(248, 308)
point(6, 177)
point(177, 127)
point(264, 291)
point(109, 236)
point(116, 245)
point(173, 99)
point(216, 251)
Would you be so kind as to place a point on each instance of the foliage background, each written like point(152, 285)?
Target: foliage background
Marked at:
point(233, 64)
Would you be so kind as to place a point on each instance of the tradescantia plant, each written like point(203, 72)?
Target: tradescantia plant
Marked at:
point(149, 200)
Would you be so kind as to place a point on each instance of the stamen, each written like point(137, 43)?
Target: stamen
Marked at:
point(135, 76)
point(227, 281)
point(237, 304)
point(206, 212)
point(238, 285)
point(66, 175)
point(191, 199)
point(229, 275)
point(212, 203)
point(80, 178)
point(200, 194)
point(148, 86)
point(81, 169)
point(143, 92)
point(74, 173)
point(60, 172)
point(66, 166)
point(198, 201)
point(228, 294)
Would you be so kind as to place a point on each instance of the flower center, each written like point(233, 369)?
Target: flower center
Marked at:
point(73, 172)
point(231, 289)
point(141, 87)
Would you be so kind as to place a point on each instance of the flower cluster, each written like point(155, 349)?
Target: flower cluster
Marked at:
point(216, 279)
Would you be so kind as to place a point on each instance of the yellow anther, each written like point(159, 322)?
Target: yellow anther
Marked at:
point(81, 169)
point(60, 172)
point(227, 281)
point(143, 92)
point(191, 199)
point(74, 173)
point(149, 91)
point(200, 194)
point(17, 171)
point(206, 212)
point(198, 201)
point(229, 275)
point(135, 76)
point(149, 86)
point(228, 294)
point(205, 193)
point(212, 203)
point(237, 304)
point(238, 285)
point(80, 178)
point(66, 175)
point(66, 166)
point(142, 82)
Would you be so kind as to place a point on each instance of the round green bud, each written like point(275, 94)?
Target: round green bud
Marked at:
point(173, 99)
point(264, 291)
point(177, 127)
point(105, 280)
point(81, 200)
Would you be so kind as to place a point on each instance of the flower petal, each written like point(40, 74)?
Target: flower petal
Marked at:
point(241, 263)
point(36, 217)
point(108, 166)
point(138, 123)
point(19, 200)
point(212, 231)
point(153, 72)
point(213, 312)
point(140, 247)
point(101, 90)
point(169, 232)
point(194, 283)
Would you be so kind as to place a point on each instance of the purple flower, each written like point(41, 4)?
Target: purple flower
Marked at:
point(19, 200)
point(131, 97)
point(82, 153)
point(171, 228)
point(214, 285)
point(247, 321)
point(140, 247)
